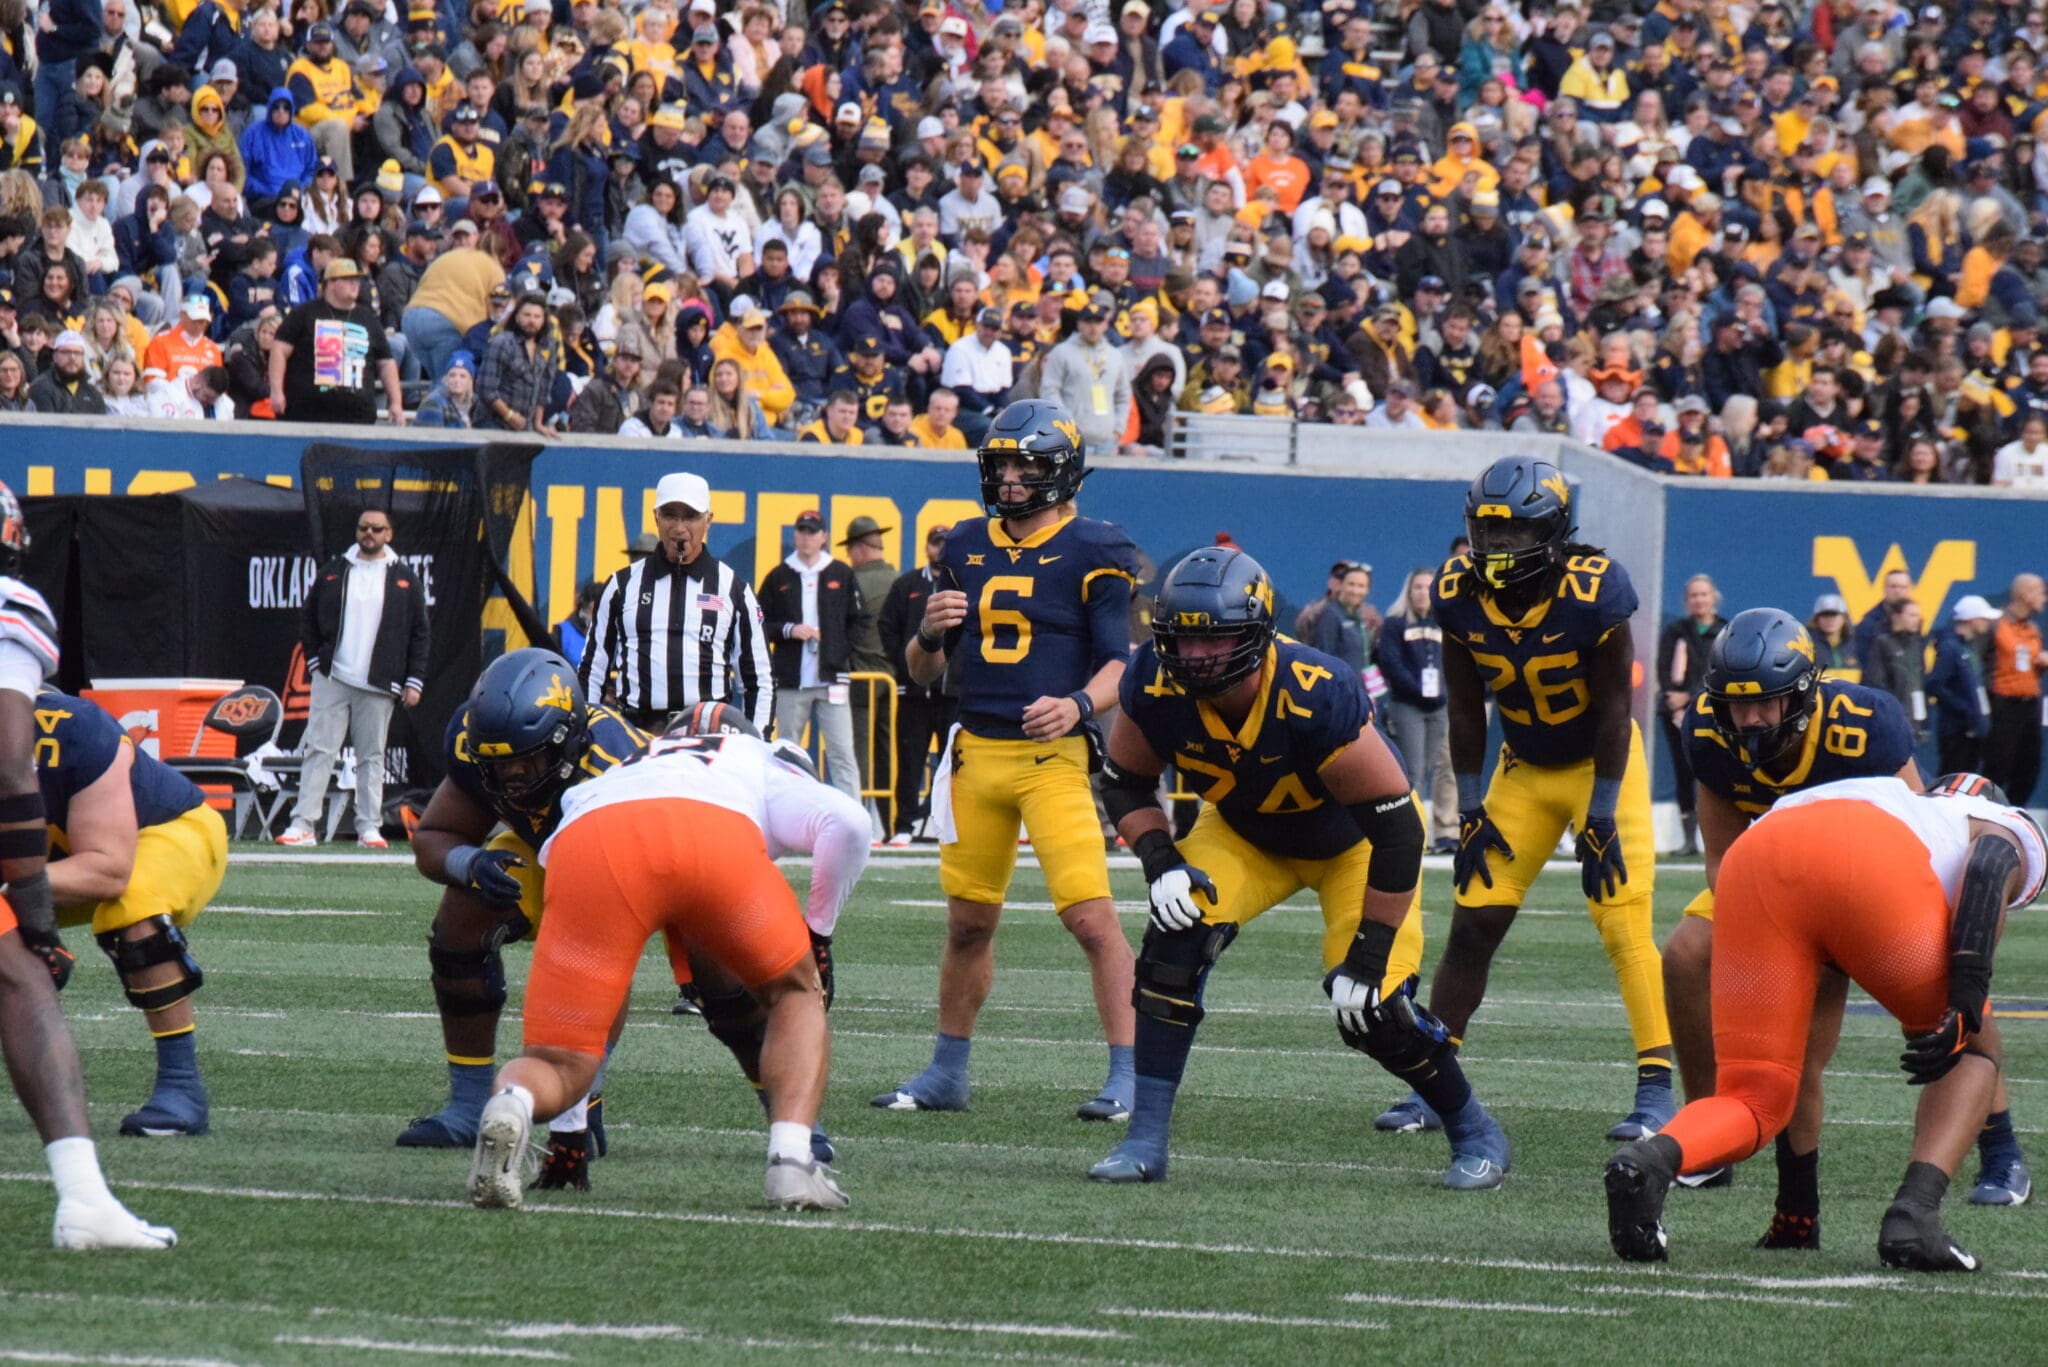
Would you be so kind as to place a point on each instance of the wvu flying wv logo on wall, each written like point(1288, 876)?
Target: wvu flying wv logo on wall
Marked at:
point(1948, 564)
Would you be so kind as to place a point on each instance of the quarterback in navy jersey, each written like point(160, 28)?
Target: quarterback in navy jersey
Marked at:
point(1032, 617)
point(1299, 791)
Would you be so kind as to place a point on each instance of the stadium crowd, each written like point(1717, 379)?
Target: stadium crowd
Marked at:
point(1796, 240)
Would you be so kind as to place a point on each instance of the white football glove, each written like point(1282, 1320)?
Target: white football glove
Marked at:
point(1354, 1002)
point(1173, 898)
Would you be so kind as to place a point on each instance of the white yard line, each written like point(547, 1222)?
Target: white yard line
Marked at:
point(1240, 1317)
point(218, 909)
point(1047, 1331)
point(1481, 1307)
point(436, 1350)
point(1689, 1294)
point(108, 1359)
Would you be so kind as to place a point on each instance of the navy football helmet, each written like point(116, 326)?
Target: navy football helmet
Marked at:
point(527, 726)
point(1042, 430)
point(1518, 513)
point(1216, 593)
point(1764, 654)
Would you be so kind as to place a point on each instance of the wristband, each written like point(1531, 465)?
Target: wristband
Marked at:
point(1156, 854)
point(32, 904)
point(1366, 960)
point(1470, 794)
point(1606, 793)
point(1079, 698)
point(932, 644)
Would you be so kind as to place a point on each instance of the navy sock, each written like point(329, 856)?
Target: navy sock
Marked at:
point(469, 1085)
point(1655, 1074)
point(1996, 1143)
point(1440, 1082)
point(177, 1063)
point(1152, 1115)
point(1121, 1069)
point(1162, 1049)
point(949, 1054)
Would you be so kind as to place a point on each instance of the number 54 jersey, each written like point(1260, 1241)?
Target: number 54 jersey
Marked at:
point(1043, 614)
point(1536, 665)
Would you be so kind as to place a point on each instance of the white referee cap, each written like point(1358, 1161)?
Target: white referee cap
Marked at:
point(688, 489)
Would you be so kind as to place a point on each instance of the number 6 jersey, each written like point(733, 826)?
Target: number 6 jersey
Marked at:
point(1043, 614)
point(1536, 667)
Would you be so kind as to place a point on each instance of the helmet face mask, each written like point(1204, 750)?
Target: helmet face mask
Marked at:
point(1508, 551)
point(1040, 434)
point(533, 777)
point(1001, 472)
point(1221, 598)
point(1763, 744)
point(525, 728)
point(1518, 515)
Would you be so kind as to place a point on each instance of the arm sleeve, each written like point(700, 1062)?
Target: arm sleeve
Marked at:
point(750, 663)
point(813, 818)
point(1107, 592)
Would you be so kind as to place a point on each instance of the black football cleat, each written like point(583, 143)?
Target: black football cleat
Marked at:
point(1637, 1179)
point(1912, 1238)
point(1801, 1232)
point(566, 1167)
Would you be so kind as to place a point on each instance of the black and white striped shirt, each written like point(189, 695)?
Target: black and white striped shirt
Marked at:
point(667, 636)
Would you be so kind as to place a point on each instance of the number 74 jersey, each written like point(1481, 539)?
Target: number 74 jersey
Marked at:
point(1043, 614)
point(1536, 666)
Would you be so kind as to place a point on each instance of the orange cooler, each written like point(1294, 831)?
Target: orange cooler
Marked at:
point(164, 715)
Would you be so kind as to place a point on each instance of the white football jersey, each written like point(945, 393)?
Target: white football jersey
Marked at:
point(28, 638)
point(794, 811)
point(1942, 825)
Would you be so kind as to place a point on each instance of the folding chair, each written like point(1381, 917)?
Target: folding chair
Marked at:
point(254, 716)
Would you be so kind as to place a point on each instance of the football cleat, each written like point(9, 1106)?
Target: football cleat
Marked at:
point(1103, 1107)
point(1792, 1231)
point(900, 840)
point(793, 1185)
point(1129, 1162)
point(593, 1116)
point(298, 837)
point(1723, 1176)
point(445, 1129)
point(2008, 1184)
point(566, 1165)
point(1479, 1150)
point(1912, 1238)
point(167, 1114)
point(822, 1148)
point(83, 1226)
point(1637, 1178)
point(930, 1090)
point(1410, 1115)
point(1655, 1105)
point(688, 1001)
point(497, 1173)
point(372, 840)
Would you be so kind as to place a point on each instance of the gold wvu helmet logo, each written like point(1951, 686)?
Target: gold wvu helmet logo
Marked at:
point(1192, 619)
point(1556, 484)
point(557, 695)
point(1802, 644)
point(1069, 429)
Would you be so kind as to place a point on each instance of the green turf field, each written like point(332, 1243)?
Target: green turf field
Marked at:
point(1289, 1232)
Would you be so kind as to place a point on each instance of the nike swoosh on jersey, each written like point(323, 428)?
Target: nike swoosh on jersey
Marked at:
point(1047, 559)
point(1558, 637)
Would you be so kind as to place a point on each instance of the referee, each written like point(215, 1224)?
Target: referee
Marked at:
point(678, 627)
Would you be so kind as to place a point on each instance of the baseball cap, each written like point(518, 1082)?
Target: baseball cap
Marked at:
point(1691, 403)
point(705, 33)
point(989, 318)
point(418, 228)
point(929, 127)
point(1075, 200)
point(849, 112)
point(199, 306)
point(1877, 185)
point(69, 338)
point(1216, 318)
point(1431, 282)
point(468, 114)
point(869, 345)
point(754, 318)
point(1275, 289)
point(427, 195)
point(1099, 33)
point(1971, 607)
point(320, 33)
point(463, 227)
point(692, 491)
point(810, 520)
point(1830, 602)
point(1229, 351)
point(224, 70)
point(341, 268)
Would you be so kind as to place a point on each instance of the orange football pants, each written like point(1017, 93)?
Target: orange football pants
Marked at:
point(7, 921)
point(1840, 883)
point(622, 873)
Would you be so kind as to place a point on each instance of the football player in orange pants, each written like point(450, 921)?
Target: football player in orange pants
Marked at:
point(1904, 893)
point(673, 842)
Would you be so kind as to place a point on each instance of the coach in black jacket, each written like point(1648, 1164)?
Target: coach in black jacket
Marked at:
point(814, 610)
point(364, 633)
point(923, 711)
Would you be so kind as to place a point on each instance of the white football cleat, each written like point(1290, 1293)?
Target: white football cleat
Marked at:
point(801, 1185)
point(497, 1174)
point(81, 1226)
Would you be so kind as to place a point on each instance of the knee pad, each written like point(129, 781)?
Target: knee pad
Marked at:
point(481, 971)
point(165, 944)
point(1172, 966)
point(1401, 1036)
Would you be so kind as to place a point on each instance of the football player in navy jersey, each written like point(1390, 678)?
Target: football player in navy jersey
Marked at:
point(1033, 616)
point(138, 855)
point(1300, 791)
point(1540, 624)
point(1766, 724)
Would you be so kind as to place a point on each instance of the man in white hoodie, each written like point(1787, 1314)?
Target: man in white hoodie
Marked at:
point(364, 633)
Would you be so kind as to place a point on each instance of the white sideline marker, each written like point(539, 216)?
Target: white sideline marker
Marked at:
point(1688, 1294)
point(216, 909)
point(1047, 1331)
point(439, 1350)
point(1241, 1317)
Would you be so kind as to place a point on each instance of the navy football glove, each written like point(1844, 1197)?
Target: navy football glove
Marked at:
point(1601, 870)
point(485, 873)
point(1477, 838)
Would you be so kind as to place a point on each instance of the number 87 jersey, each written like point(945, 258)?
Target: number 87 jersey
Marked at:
point(1536, 665)
point(1043, 614)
